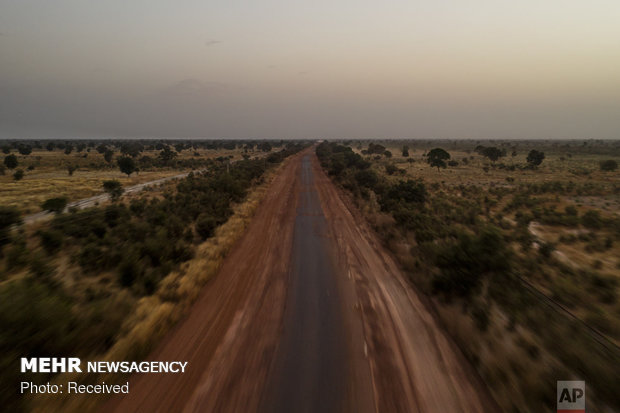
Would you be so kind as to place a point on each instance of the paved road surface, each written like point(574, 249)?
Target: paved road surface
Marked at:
point(308, 314)
point(311, 368)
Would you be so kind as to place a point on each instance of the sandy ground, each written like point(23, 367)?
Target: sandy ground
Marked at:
point(308, 312)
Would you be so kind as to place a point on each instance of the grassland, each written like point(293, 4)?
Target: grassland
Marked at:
point(50, 177)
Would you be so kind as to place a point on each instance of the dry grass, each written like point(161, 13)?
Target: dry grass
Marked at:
point(29, 193)
point(50, 178)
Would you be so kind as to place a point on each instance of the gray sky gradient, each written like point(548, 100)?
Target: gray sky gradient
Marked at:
point(300, 69)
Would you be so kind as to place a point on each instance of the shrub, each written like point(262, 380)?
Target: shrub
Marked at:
point(41, 269)
point(464, 264)
point(545, 249)
point(114, 188)
point(17, 254)
point(592, 219)
point(571, 210)
point(604, 286)
point(535, 158)
point(366, 178)
point(391, 169)
point(9, 216)
point(10, 161)
point(205, 225)
point(56, 205)
point(36, 321)
point(51, 240)
point(481, 318)
point(127, 165)
point(609, 165)
point(129, 270)
point(376, 148)
point(407, 191)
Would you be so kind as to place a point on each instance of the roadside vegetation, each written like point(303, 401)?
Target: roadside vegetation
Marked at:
point(517, 246)
point(33, 171)
point(108, 281)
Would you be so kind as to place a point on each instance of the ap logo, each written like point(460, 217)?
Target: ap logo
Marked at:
point(571, 396)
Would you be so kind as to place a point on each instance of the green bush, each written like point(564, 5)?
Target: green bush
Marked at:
point(56, 205)
point(205, 225)
point(366, 178)
point(114, 188)
point(51, 240)
point(609, 165)
point(9, 216)
point(592, 219)
point(463, 265)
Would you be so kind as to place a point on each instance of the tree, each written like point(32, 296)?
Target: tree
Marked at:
point(264, 146)
point(113, 188)
point(167, 154)
point(132, 149)
point(492, 153)
point(535, 158)
point(11, 161)
point(19, 174)
point(24, 149)
point(376, 148)
point(71, 169)
point(609, 165)
point(127, 165)
point(405, 151)
point(56, 205)
point(50, 146)
point(68, 149)
point(391, 169)
point(107, 155)
point(6, 149)
point(437, 158)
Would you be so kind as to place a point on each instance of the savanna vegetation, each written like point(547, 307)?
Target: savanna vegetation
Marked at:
point(33, 170)
point(69, 285)
point(517, 246)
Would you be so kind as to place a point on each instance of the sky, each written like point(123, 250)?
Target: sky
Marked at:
point(476, 69)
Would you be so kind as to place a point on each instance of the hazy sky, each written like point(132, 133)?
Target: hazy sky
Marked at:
point(300, 69)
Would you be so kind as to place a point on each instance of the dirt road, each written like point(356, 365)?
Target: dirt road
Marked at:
point(308, 313)
point(97, 199)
